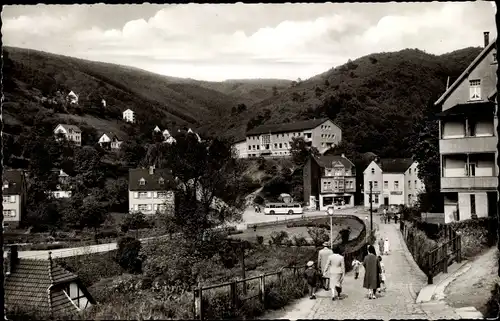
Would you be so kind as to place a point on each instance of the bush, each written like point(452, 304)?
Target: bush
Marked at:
point(493, 304)
point(299, 240)
point(319, 235)
point(260, 240)
point(127, 254)
point(279, 238)
point(259, 200)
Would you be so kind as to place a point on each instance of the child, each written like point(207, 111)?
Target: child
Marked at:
point(312, 277)
point(356, 264)
point(382, 275)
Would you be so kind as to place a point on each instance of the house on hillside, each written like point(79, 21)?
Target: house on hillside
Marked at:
point(44, 286)
point(14, 196)
point(72, 98)
point(240, 148)
point(63, 188)
point(110, 140)
point(468, 139)
point(71, 132)
point(156, 130)
point(329, 181)
point(193, 133)
point(169, 139)
point(103, 102)
point(395, 182)
point(274, 140)
point(129, 116)
point(151, 190)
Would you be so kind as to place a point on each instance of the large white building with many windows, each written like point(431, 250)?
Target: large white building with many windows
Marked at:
point(150, 190)
point(395, 182)
point(468, 139)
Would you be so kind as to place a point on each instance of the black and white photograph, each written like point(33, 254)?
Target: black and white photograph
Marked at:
point(205, 161)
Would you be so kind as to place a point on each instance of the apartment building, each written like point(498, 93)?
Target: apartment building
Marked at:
point(395, 182)
point(468, 139)
point(274, 139)
point(329, 181)
point(150, 190)
point(14, 196)
point(71, 132)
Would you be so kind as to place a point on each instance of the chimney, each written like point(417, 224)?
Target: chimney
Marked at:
point(11, 260)
point(151, 170)
point(486, 38)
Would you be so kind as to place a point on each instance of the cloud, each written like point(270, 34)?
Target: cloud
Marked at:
point(209, 41)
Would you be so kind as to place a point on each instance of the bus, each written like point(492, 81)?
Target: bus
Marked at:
point(283, 208)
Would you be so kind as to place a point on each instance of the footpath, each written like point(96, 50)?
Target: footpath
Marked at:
point(404, 282)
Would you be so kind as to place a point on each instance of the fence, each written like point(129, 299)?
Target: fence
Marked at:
point(439, 258)
point(358, 251)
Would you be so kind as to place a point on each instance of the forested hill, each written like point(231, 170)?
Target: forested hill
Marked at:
point(374, 98)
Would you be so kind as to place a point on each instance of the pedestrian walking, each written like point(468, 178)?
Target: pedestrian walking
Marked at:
point(355, 266)
point(382, 275)
point(323, 256)
point(386, 246)
point(381, 245)
point(389, 218)
point(385, 215)
point(335, 268)
point(311, 275)
point(371, 281)
point(396, 218)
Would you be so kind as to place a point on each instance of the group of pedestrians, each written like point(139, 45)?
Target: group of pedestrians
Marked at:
point(330, 271)
point(386, 217)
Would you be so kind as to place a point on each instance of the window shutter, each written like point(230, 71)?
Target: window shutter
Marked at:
point(155, 194)
point(149, 194)
point(136, 195)
point(13, 198)
point(149, 207)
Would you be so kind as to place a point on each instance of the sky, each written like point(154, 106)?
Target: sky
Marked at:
point(215, 42)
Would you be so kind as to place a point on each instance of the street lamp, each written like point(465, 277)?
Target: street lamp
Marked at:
point(330, 212)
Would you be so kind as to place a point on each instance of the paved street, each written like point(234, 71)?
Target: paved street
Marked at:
point(404, 280)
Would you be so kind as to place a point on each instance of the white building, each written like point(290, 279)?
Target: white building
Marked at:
point(110, 141)
point(240, 148)
point(168, 138)
point(63, 189)
point(71, 132)
point(72, 98)
point(150, 190)
point(395, 182)
point(129, 116)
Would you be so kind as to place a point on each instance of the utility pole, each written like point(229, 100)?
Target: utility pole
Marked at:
point(371, 208)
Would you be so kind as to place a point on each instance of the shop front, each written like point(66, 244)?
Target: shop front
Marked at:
point(336, 200)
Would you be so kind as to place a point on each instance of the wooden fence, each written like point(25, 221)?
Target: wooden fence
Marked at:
point(438, 259)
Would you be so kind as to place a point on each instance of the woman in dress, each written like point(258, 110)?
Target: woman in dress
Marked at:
point(371, 280)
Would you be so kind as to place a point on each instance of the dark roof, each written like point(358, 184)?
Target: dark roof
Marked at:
point(28, 285)
point(112, 136)
point(326, 161)
point(15, 178)
point(466, 72)
point(287, 127)
point(395, 165)
point(67, 127)
point(479, 108)
point(152, 181)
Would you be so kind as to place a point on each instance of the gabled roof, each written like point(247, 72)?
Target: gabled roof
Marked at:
point(68, 127)
point(326, 161)
point(112, 135)
point(152, 181)
point(128, 110)
point(71, 93)
point(39, 284)
point(466, 72)
point(395, 165)
point(287, 127)
point(15, 179)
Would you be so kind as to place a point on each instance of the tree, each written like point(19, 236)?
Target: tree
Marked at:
point(275, 91)
point(88, 169)
point(301, 151)
point(134, 221)
point(127, 254)
point(117, 194)
point(92, 214)
point(132, 153)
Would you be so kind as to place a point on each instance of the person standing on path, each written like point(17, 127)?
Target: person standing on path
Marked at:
point(335, 269)
point(371, 280)
point(355, 265)
point(312, 276)
point(385, 215)
point(382, 274)
point(323, 256)
point(386, 246)
point(381, 245)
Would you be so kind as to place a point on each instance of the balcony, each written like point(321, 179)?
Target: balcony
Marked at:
point(476, 144)
point(469, 183)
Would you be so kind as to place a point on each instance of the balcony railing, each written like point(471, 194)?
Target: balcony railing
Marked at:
point(476, 144)
point(470, 183)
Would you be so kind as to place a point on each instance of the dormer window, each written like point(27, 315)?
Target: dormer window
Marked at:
point(161, 181)
point(142, 181)
point(475, 89)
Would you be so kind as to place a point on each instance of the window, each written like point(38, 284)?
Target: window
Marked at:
point(375, 184)
point(475, 89)
point(266, 139)
point(143, 207)
point(275, 145)
point(143, 194)
point(376, 198)
point(161, 194)
point(473, 205)
point(409, 171)
point(386, 184)
point(396, 184)
point(373, 170)
point(9, 213)
point(161, 207)
point(415, 183)
point(142, 181)
point(409, 184)
point(161, 181)
point(6, 199)
point(281, 145)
